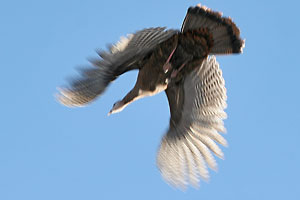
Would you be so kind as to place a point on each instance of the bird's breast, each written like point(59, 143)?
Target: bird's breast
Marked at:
point(159, 88)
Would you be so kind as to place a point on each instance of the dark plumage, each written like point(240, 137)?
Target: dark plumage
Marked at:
point(178, 63)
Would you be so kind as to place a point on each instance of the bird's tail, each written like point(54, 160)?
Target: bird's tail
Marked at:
point(225, 34)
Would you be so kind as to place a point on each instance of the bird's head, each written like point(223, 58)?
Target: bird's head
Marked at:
point(117, 107)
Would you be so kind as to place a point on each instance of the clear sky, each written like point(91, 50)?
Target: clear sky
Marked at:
point(48, 151)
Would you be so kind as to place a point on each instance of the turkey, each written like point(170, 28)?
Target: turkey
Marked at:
point(182, 63)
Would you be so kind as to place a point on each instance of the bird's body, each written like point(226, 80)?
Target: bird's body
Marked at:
point(191, 48)
point(178, 63)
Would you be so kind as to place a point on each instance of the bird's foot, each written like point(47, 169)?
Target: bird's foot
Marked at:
point(167, 66)
point(175, 71)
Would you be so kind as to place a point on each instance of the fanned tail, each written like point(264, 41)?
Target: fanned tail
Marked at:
point(226, 35)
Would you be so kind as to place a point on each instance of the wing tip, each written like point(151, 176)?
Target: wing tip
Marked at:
point(121, 44)
point(68, 98)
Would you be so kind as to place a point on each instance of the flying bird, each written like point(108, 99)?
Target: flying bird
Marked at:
point(181, 63)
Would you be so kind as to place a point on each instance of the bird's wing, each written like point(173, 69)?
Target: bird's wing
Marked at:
point(225, 33)
point(197, 112)
point(122, 57)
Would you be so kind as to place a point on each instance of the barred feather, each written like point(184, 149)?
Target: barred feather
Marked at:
point(194, 125)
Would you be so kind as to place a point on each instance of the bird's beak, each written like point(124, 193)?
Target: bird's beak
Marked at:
point(109, 113)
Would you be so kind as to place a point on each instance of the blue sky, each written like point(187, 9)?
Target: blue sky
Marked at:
point(48, 151)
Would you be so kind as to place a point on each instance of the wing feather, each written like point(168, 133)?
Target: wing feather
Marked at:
point(197, 112)
point(125, 55)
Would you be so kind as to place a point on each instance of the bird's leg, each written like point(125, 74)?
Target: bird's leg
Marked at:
point(167, 66)
point(175, 71)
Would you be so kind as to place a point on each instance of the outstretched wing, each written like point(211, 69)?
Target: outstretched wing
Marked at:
point(197, 112)
point(123, 56)
point(225, 34)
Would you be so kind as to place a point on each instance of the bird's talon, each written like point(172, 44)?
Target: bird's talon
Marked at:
point(167, 67)
point(174, 73)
